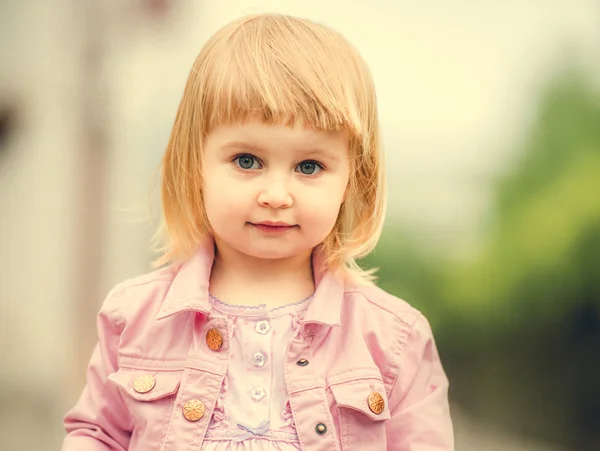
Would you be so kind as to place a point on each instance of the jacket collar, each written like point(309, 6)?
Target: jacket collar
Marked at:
point(189, 290)
point(326, 305)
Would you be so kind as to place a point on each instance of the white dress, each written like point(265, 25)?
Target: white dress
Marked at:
point(252, 412)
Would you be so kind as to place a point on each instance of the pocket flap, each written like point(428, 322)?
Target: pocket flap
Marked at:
point(367, 397)
point(147, 385)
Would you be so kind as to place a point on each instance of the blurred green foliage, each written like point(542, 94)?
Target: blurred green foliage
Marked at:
point(518, 324)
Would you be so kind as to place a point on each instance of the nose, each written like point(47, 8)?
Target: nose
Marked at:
point(275, 194)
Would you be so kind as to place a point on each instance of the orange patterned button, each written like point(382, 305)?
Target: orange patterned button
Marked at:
point(143, 384)
point(376, 403)
point(214, 339)
point(193, 410)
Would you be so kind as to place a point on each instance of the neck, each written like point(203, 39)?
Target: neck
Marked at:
point(240, 279)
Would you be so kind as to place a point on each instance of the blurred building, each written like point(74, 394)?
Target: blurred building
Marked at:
point(83, 124)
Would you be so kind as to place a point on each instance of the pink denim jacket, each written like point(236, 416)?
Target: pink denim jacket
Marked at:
point(355, 341)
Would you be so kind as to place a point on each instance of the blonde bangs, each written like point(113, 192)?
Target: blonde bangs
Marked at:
point(277, 69)
point(280, 70)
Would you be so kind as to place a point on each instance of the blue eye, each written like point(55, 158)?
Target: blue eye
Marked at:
point(246, 162)
point(310, 167)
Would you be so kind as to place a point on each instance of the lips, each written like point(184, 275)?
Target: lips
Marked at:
point(274, 224)
point(273, 227)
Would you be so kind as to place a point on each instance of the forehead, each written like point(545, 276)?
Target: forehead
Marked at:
point(259, 136)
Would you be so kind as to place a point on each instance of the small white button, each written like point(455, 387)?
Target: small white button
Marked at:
point(258, 393)
point(262, 327)
point(259, 359)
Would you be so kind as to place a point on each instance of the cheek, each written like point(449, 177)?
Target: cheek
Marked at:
point(222, 203)
point(324, 208)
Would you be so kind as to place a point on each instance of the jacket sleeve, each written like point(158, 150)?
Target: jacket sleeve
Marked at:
point(100, 420)
point(420, 414)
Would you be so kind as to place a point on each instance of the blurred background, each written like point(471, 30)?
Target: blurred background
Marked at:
point(491, 121)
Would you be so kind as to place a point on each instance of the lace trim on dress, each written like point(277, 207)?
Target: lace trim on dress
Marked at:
point(254, 308)
point(218, 435)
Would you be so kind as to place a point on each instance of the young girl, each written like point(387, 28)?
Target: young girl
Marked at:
point(262, 333)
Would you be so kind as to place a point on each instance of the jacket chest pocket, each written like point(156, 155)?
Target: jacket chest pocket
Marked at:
point(150, 397)
point(362, 410)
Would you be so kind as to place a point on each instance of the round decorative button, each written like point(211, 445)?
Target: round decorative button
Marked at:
point(143, 384)
point(259, 359)
point(193, 410)
point(376, 403)
point(262, 327)
point(321, 429)
point(258, 393)
point(302, 362)
point(214, 339)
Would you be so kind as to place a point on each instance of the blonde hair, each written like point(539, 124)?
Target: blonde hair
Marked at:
point(278, 69)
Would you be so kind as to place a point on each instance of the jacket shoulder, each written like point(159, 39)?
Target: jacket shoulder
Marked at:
point(376, 301)
point(137, 294)
point(147, 280)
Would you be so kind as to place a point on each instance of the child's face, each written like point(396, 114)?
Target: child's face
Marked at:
point(256, 173)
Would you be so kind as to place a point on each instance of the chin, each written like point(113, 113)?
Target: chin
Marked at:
point(275, 253)
point(270, 255)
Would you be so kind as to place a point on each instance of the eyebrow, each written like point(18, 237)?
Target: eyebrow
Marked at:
point(241, 145)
